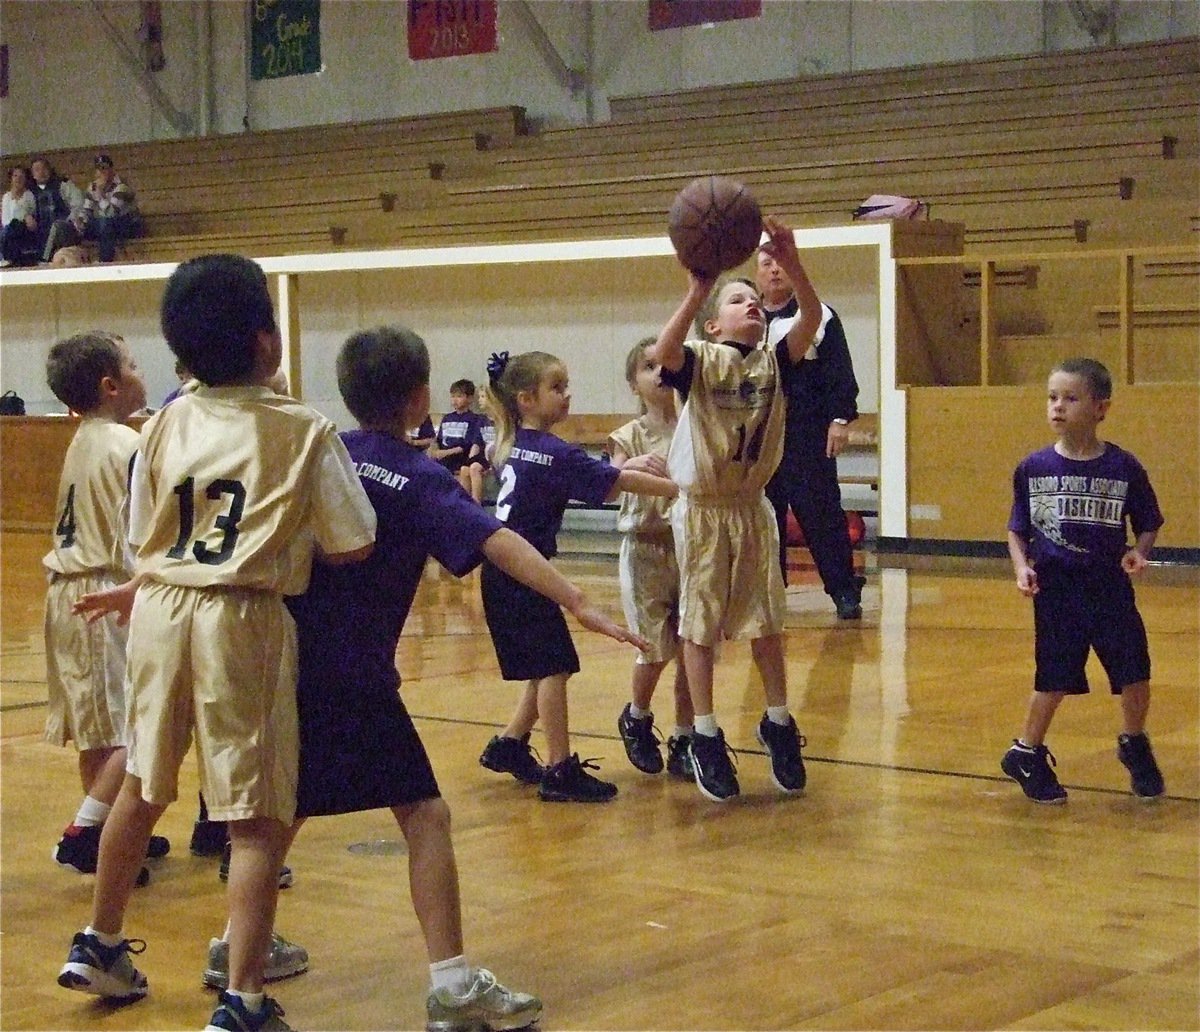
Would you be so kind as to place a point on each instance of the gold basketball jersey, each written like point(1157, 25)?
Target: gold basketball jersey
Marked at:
point(91, 513)
point(644, 514)
point(234, 485)
point(730, 434)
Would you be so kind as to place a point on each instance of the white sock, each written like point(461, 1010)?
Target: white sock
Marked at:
point(104, 937)
point(228, 925)
point(91, 812)
point(683, 732)
point(636, 713)
point(779, 715)
point(453, 974)
point(253, 1001)
point(707, 725)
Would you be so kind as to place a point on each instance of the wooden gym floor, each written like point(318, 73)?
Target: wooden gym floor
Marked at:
point(911, 887)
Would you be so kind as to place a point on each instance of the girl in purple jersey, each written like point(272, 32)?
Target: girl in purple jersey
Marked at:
point(1067, 540)
point(539, 473)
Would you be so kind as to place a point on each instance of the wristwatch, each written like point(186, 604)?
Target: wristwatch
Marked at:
point(840, 421)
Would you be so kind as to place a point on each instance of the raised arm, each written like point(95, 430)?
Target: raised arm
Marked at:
point(782, 247)
point(521, 561)
point(667, 351)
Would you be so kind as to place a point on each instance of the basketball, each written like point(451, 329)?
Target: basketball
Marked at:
point(714, 224)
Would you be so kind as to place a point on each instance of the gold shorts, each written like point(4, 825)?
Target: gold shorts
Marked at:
point(649, 577)
point(224, 662)
point(730, 584)
point(85, 667)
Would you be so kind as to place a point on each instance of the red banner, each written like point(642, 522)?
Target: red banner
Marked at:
point(450, 28)
point(675, 14)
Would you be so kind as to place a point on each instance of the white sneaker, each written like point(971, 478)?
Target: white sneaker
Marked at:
point(485, 1004)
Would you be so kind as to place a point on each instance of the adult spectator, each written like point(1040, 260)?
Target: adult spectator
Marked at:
point(18, 234)
point(822, 400)
point(110, 210)
point(58, 201)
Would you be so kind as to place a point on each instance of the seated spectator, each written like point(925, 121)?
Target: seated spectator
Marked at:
point(18, 234)
point(110, 210)
point(59, 201)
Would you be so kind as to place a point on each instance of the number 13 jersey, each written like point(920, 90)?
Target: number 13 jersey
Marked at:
point(234, 486)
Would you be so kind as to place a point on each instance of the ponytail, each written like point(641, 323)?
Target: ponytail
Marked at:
point(507, 378)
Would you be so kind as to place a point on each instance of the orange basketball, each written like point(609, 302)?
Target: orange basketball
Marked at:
point(714, 224)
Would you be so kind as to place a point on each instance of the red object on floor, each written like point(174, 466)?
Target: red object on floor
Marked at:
point(854, 523)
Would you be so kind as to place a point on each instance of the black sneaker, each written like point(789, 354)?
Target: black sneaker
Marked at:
point(783, 743)
point(209, 838)
point(1030, 768)
point(570, 782)
point(679, 757)
point(286, 878)
point(79, 848)
point(513, 756)
point(641, 743)
point(713, 766)
point(157, 847)
point(1146, 779)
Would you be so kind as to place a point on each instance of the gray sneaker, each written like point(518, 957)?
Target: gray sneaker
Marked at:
point(485, 1005)
point(285, 960)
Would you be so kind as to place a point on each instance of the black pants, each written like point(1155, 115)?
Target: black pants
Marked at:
point(18, 243)
point(807, 481)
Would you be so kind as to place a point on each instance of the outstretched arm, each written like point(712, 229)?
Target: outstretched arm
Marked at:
point(521, 561)
point(667, 351)
point(635, 481)
point(782, 247)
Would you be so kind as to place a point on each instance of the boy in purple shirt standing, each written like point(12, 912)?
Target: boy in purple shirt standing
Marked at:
point(1067, 541)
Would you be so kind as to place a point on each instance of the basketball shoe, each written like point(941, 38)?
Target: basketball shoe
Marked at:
point(101, 970)
point(79, 848)
point(1146, 779)
point(570, 782)
point(641, 744)
point(513, 756)
point(1029, 767)
point(485, 1005)
point(712, 765)
point(679, 757)
point(783, 743)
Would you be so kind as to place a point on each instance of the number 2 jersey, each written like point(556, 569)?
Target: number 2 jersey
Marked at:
point(729, 438)
point(235, 486)
point(90, 514)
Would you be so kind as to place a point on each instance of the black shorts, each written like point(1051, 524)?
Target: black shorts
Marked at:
point(454, 462)
point(529, 631)
point(359, 751)
point(1075, 612)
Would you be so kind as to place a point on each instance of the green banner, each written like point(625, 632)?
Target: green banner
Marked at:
point(285, 38)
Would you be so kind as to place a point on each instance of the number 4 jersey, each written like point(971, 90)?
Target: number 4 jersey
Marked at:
point(90, 517)
point(234, 486)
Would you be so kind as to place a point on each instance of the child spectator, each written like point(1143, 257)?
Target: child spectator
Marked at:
point(233, 487)
point(1067, 541)
point(727, 445)
point(539, 474)
point(648, 572)
point(95, 375)
point(480, 464)
point(456, 432)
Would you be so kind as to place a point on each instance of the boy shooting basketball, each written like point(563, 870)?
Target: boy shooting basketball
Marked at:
point(726, 446)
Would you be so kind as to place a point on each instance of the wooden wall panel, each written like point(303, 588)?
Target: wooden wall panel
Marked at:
point(964, 442)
